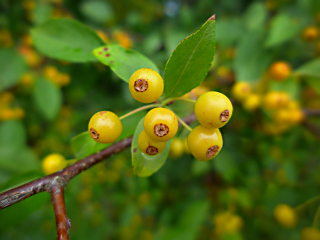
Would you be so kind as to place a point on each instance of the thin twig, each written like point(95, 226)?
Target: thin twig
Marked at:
point(62, 221)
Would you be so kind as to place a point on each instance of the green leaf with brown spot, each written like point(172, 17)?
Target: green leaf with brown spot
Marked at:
point(190, 61)
point(124, 62)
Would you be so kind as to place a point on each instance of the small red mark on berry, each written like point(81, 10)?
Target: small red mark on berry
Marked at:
point(102, 112)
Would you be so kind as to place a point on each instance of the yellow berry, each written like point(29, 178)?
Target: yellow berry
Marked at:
point(310, 233)
point(310, 34)
point(204, 143)
point(285, 215)
point(274, 100)
point(146, 85)
point(161, 124)
point(176, 148)
point(213, 110)
point(149, 146)
point(280, 71)
point(252, 102)
point(27, 79)
point(105, 127)
point(50, 72)
point(53, 163)
point(241, 90)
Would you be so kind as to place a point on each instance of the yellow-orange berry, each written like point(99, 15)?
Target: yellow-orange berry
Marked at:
point(274, 100)
point(161, 124)
point(310, 34)
point(149, 146)
point(204, 143)
point(213, 109)
point(241, 90)
point(53, 163)
point(310, 233)
point(285, 215)
point(146, 85)
point(105, 127)
point(280, 71)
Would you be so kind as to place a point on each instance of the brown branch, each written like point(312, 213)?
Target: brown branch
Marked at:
point(312, 112)
point(62, 178)
point(62, 222)
point(314, 129)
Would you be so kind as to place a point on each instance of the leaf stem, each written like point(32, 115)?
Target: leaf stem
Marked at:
point(304, 205)
point(138, 110)
point(316, 218)
point(184, 124)
point(179, 99)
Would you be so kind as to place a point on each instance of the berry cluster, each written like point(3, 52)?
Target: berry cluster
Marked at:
point(213, 110)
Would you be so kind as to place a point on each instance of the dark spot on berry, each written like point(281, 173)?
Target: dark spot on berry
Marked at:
point(151, 150)
point(94, 134)
point(212, 151)
point(102, 112)
point(141, 85)
point(224, 116)
point(161, 129)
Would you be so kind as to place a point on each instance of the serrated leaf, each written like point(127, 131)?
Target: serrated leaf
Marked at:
point(251, 59)
point(190, 61)
point(124, 62)
point(144, 165)
point(48, 98)
point(12, 66)
point(66, 39)
point(283, 28)
point(311, 68)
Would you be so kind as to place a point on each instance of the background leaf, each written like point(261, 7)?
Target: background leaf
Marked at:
point(190, 61)
point(124, 62)
point(48, 98)
point(251, 59)
point(66, 39)
point(98, 11)
point(144, 165)
point(283, 28)
point(12, 66)
point(255, 16)
point(311, 68)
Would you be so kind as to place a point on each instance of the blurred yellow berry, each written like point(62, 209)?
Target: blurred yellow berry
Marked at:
point(122, 38)
point(176, 148)
point(252, 102)
point(28, 4)
point(144, 199)
point(274, 100)
point(7, 114)
point(31, 56)
point(18, 112)
point(223, 71)
point(53, 163)
point(285, 215)
point(310, 34)
point(280, 71)
point(26, 40)
point(198, 91)
point(241, 90)
point(310, 233)
point(63, 79)
point(50, 72)
point(6, 98)
point(104, 37)
point(227, 222)
point(5, 38)
point(27, 79)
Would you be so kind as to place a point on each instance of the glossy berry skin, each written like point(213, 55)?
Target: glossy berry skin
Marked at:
point(53, 163)
point(205, 143)
point(105, 127)
point(241, 90)
point(146, 85)
point(161, 124)
point(280, 71)
point(148, 146)
point(285, 215)
point(213, 110)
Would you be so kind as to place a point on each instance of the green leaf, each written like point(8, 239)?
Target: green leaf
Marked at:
point(48, 98)
point(98, 11)
point(251, 59)
point(124, 62)
point(12, 66)
point(256, 16)
point(311, 68)
point(20, 179)
point(283, 28)
point(229, 31)
point(66, 39)
point(144, 165)
point(83, 145)
point(12, 136)
point(42, 12)
point(190, 61)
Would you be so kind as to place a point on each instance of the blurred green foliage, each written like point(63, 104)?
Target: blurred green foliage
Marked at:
point(45, 102)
